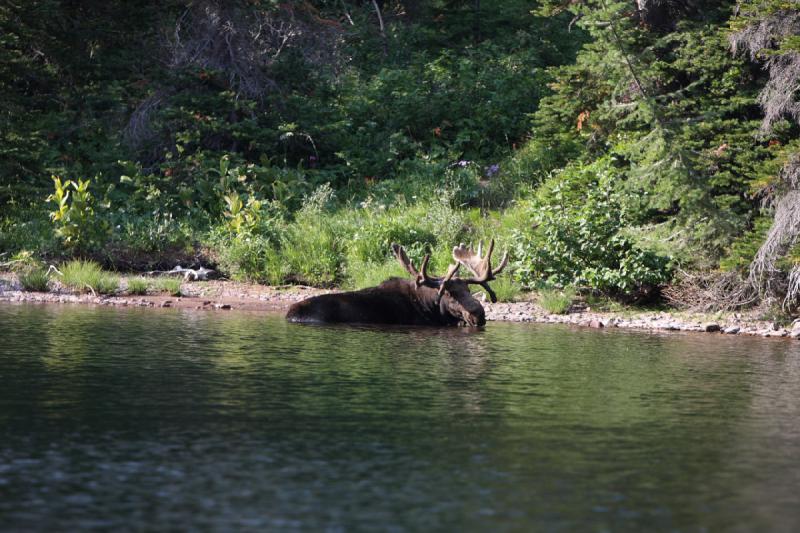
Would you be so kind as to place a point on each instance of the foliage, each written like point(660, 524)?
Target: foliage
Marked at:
point(295, 141)
point(577, 236)
point(745, 247)
point(87, 276)
point(74, 214)
point(676, 110)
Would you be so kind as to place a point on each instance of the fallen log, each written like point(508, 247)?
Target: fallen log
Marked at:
point(188, 274)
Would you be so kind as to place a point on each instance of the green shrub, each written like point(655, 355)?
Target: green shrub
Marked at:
point(137, 286)
point(251, 258)
point(87, 276)
point(74, 216)
point(575, 236)
point(312, 252)
point(26, 230)
point(554, 301)
point(744, 249)
point(34, 279)
point(372, 238)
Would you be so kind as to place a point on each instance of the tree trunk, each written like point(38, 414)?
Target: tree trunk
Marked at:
point(655, 13)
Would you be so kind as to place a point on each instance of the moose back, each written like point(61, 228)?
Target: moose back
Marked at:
point(422, 300)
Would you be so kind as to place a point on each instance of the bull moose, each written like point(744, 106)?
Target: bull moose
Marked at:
point(422, 300)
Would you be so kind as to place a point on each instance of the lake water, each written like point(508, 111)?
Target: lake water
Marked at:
point(122, 419)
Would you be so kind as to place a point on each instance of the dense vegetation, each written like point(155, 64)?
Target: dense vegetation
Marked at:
point(613, 145)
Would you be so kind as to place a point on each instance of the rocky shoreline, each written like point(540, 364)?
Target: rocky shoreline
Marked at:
point(727, 323)
point(228, 295)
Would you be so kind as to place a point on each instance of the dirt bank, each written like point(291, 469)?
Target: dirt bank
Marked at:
point(228, 295)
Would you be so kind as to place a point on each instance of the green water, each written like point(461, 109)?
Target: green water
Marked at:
point(119, 419)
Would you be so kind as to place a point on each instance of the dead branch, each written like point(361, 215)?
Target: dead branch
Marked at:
point(710, 291)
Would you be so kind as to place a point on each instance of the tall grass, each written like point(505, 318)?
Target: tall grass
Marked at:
point(506, 289)
point(555, 301)
point(34, 279)
point(137, 286)
point(361, 275)
point(87, 276)
point(171, 286)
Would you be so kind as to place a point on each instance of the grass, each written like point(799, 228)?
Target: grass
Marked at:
point(34, 279)
point(367, 274)
point(171, 286)
point(555, 301)
point(505, 289)
point(137, 286)
point(87, 276)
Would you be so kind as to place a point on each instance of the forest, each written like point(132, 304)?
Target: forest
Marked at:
point(644, 150)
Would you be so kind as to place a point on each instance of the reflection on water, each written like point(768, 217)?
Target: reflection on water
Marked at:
point(172, 419)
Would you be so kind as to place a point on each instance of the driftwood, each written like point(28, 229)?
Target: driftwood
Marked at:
point(188, 274)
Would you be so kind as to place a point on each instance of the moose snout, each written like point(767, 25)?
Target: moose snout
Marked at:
point(475, 318)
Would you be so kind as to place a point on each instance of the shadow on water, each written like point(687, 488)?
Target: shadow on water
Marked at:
point(127, 418)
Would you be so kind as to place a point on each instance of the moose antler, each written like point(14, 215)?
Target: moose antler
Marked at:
point(421, 276)
point(481, 267)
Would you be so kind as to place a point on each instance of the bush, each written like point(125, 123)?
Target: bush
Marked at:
point(87, 276)
point(74, 216)
point(251, 258)
point(312, 252)
point(576, 237)
point(150, 242)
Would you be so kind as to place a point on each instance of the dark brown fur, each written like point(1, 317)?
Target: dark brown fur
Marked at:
point(395, 301)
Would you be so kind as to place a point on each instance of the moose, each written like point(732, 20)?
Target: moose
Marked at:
point(422, 300)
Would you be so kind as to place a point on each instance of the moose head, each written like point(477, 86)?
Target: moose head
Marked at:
point(453, 296)
point(423, 300)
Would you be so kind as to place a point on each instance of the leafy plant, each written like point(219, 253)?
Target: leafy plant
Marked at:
point(576, 237)
point(74, 216)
